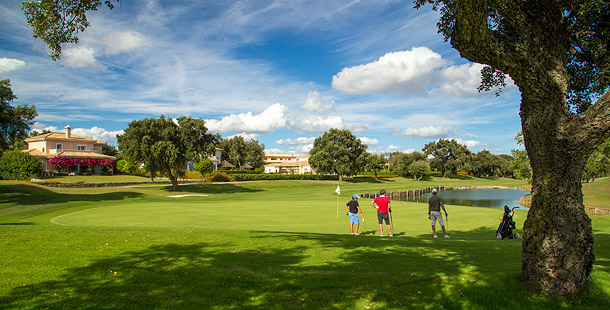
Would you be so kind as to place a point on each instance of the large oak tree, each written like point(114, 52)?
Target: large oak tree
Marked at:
point(556, 52)
point(338, 151)
point(164, 145)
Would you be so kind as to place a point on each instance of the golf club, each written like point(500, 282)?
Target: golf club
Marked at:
point(363, 223)
point(391, 220)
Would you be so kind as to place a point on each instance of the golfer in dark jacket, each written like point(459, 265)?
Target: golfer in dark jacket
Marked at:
point(435, 203)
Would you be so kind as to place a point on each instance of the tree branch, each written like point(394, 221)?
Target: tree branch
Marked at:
point(596, 121)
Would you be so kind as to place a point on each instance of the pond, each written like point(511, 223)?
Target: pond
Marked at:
point(487, 198)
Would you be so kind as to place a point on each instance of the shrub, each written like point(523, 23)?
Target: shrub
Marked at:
point(193, 175)
point(259, 177)
point(18, 165)
point(204, 166)
point(126, 167)
point(217, 176)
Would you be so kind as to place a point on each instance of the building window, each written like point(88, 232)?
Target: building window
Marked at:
point(58, 146)
point(81, 148)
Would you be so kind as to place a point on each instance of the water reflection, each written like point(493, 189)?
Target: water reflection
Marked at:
point(487, 198)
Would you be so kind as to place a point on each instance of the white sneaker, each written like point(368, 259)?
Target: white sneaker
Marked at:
point(381, 235)
point(357, 234)
point(391, 235)
point(447, 236)
point(435, 236)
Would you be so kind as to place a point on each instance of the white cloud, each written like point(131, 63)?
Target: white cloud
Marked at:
point(304, 149)
point(273, 118)
point(123, 41)
point(470, 143)
point(297, 141)
point(94, 132)
point(81, 57)
point(313, 124)
point(461, 81)
point(314, 103)
point(9, 64)
point(275, 151)
point(97, 133)
point(403, 71)
point(427, 132)
point(369, 141)
point(359, 128)
point(247, 136)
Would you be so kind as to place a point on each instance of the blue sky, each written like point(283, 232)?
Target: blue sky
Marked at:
point(281, 72)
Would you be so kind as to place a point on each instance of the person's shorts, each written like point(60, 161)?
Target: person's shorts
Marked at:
point(434, 215)
point(383, 216)
point(353, 218)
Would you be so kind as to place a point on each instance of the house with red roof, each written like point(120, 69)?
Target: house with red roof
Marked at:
point(79, 151)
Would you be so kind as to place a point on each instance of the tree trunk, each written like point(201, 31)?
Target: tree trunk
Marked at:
point(557, 255)
point(172, 178)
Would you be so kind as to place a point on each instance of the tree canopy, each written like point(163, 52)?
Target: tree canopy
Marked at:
point(15, 122)
point(239, 152)
point(374, 162)
point(59, 21)
point(164, 145)
point(447, 154)
point(338, 151)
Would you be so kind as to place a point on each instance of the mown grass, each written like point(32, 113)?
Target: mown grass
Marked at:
point(260, 245)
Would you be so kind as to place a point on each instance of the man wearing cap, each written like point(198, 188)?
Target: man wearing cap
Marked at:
point(353, 208)
point(435, 203)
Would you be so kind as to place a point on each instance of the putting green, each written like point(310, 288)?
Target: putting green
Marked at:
point(408, 218)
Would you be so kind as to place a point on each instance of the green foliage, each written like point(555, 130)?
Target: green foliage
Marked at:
point(487, 164)
point(374, 162)
point(58, 22)
point(598, 164)
point(109, 150)
point(404, 160)
point(419, 169)
point(239, 152)
point(521, 163)
point(14, 121)
point(447, 155)
point(165, 146)
point(269, 177)
point(193, 175)
point(338, 151)
point(18, 165)
point(126, 167)
point(218, 176)
point(204, 165)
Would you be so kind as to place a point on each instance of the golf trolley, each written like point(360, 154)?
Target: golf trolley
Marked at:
point(505, 230)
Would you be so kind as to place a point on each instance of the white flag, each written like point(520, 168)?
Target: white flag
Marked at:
point(338, 190)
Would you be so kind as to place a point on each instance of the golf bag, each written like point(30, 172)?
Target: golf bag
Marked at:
point(505, 230)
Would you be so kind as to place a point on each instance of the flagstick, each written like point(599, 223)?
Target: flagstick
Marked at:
point(337, 206)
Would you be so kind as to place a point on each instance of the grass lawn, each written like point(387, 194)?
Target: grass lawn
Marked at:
point(262, 245)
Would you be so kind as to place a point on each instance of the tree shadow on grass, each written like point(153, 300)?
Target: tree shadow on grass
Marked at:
point(347, 272)
point(370, 180)
point(227, 188)
point(17, 202)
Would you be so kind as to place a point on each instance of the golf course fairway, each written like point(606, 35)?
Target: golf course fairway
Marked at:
point(263, 245)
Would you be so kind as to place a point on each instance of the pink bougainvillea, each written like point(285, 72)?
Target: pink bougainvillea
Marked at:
point(61, 163)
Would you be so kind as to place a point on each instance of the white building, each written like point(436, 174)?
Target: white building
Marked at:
point(288, 164)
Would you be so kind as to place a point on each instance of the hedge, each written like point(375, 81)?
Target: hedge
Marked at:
point(260, 177)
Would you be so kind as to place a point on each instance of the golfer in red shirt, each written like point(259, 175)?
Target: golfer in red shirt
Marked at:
point(383, 207)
